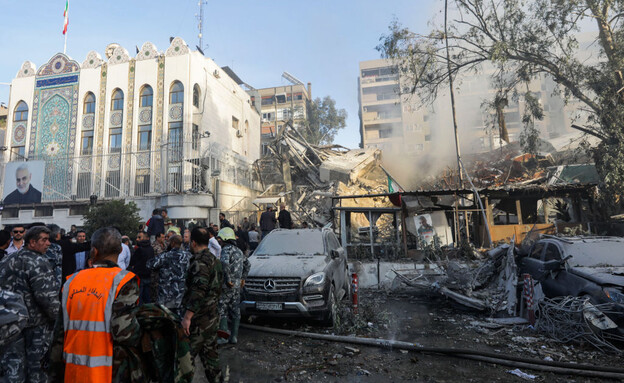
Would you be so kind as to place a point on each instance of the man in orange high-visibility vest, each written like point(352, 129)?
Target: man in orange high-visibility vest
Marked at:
point(95, 314)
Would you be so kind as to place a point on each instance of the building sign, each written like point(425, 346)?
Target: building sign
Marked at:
point(23, 182)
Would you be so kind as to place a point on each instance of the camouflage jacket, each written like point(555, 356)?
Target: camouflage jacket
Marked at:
point(158, 248)
point(172, 267)
point(29, 274)
point(124, 325)
point(13, 316)
point(203, 285)
point(55, 257)
point(235, 265)
point(168, 355)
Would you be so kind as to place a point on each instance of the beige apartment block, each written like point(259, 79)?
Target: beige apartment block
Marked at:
point(280, 104)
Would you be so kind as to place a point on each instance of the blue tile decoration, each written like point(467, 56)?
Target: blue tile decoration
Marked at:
point(53, 130)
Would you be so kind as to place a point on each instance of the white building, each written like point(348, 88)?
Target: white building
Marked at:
point(163, 129)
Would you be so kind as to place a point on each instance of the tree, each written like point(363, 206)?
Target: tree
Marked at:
point(525, 40)
point(323, 121)
point(116, 213)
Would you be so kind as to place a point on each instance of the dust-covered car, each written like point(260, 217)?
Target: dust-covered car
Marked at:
point(300, 272)
point(591, 267)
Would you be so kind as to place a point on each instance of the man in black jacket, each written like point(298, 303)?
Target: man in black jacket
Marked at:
point(142, 254)
point(267, 222)
point(285, 221)
point(69, 250)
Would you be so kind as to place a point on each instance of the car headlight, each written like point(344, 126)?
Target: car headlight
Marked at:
point(615, 295)
point(315, 279)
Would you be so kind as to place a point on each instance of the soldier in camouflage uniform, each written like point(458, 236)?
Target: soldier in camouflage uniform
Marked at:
point(235, 269)
point(203, 288)
point(28, 273)
point(55, 253)
point(171, 266)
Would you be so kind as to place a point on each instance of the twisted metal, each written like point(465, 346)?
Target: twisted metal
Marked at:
point(563, 320)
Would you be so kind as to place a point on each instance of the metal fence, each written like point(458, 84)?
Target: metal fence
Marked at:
point(185, 166)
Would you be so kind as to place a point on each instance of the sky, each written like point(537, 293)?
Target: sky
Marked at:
point(320, 41)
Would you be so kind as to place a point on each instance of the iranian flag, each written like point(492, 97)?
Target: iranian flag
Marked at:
point(66, 15)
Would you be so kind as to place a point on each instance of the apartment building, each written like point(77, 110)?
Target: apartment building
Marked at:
point(280, 104)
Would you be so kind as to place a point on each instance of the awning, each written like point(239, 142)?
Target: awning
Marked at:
point(266, 200)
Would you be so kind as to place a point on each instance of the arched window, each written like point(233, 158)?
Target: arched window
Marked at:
point(147, 96)
point(117, 100)
point(176, 94)
point(196, 94)
point(89, 103)
point(21, 112)
point(20, 116)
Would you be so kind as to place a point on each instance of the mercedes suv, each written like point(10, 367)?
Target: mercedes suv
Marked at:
point(297, 273)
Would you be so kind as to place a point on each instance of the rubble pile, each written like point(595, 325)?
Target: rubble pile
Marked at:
point(307, 176)
point(489, 284)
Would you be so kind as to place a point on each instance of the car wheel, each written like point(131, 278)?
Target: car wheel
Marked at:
point(331, 315)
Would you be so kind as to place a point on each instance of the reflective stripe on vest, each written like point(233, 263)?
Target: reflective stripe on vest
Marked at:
point(88, 361)
point(84, 321)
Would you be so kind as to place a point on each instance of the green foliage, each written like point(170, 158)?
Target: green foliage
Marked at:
point(115, 213)
point(323, 122)
point(526, 40)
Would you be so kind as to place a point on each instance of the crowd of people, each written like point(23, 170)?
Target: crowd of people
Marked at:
point(79, 305)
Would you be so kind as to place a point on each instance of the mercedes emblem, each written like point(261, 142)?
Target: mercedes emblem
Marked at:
point(269, 284)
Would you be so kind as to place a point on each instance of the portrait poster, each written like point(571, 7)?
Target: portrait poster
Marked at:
point(424, 227)
point(23, 182)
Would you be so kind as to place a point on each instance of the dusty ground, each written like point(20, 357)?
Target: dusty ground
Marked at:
point(400, 315)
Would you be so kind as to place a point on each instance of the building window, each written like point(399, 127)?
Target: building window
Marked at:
point(89, 103)
point(175, 178)
point(44, 211)
point(175, 141)
point(86, 147)
point(147, 96)
point(281, 98)
point(114, 140)
point(118, 100)
point(19, 116)
point(267, 100)
point(112, 183)
point(176, 93)
point(234, 123)
point(21, 112)
point(142, 182)
point(145, 137)
point(428, 137)
point(83, 191)
point(385, 133)
point(195, 142)
point(196, 93)
point(18, 153)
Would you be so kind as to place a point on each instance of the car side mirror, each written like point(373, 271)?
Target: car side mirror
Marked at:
point(553, 265)
point(334, 254)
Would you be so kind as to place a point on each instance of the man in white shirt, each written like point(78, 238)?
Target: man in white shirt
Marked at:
point(124, 257)
point(213, 244)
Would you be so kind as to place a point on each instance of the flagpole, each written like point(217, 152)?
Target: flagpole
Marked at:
point(65, 26)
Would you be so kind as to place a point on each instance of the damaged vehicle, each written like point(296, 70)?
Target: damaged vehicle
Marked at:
point(297, 273)
point(591, 267)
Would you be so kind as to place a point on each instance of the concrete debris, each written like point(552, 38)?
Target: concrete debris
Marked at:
point(521, 374)
point(307, 176)
point(487, 284)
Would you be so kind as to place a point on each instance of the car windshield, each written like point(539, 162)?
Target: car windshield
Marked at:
point(292, 242)
point(595, 253)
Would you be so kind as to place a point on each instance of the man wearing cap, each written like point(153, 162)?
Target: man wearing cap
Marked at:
point(235, 269)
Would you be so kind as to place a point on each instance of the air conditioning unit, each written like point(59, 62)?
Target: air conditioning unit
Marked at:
point(216, 73)
point(239, 134)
